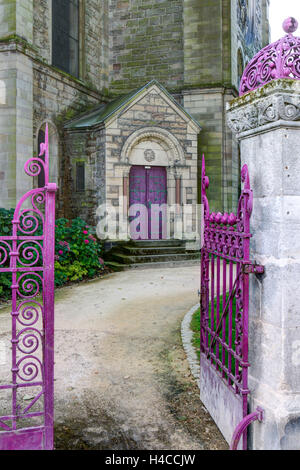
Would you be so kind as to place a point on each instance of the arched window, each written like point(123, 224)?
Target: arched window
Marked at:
point(53, 154)
point(65, 35)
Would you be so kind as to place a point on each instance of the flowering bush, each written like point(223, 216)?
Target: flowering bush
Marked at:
point(77, 251)
point(6, 217)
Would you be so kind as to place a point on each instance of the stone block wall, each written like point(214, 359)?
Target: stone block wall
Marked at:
point(93, 39)
point(24, 17)
point(81, 146)
point(58, 97)
point(184, 44)
point(206, 42)
point(16, 126)
point(8, 23)
point(215, 142)
point(94, 47)
point(146, 42)
point(34, 91)
point(42, 28)
point(179, 43)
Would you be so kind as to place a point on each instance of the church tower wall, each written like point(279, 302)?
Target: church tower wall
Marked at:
point(195, 49)
point(145, 42)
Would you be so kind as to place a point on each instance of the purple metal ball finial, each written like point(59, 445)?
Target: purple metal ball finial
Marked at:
point(290, 25)
point(280, 59)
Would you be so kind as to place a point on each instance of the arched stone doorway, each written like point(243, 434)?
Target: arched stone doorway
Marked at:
point(147, 202)
point(153, 167)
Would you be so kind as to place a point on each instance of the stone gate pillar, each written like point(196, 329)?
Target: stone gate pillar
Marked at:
point(267, 124)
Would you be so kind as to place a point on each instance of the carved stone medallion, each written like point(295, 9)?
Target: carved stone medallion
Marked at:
point(149, 155)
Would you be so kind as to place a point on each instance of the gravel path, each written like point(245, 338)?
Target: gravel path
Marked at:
point(122, 379)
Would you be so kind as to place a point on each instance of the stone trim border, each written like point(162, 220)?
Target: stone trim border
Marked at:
point(168, 141)
point(186, 336)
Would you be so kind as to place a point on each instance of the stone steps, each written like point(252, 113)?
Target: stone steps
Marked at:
point(140, 251)
point(155, 243)
point(150, 254)
point(157, 265)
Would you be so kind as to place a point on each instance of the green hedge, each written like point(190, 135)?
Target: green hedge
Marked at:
point(77, 251)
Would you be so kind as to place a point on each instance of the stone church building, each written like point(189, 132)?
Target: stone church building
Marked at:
point(130, 89)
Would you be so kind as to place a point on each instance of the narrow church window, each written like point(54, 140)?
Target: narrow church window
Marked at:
point(65, 35)
point(80, 176)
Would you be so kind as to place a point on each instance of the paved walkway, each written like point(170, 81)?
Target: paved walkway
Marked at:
point(122, 380)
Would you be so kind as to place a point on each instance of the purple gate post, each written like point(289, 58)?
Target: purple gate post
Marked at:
point(29, 256)
point(225, 269)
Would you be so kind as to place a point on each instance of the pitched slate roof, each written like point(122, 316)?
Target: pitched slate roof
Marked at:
point(102, 113)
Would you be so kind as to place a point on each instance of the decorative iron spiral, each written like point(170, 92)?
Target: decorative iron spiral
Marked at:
point(30, 255)
point(29, 343)
point(29, 313)
point(29, 222)
point(33, 166)
point(29, 287)
point(28, 371)
point(4, 252)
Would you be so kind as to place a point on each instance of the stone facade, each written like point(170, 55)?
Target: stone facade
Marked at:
point(142, 33)
point(188, 46)
point(201, 71)
point(150, 120)
point(36, 92)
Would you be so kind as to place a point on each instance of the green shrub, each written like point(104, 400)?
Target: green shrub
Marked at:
point(6, 217)
point(77, 251)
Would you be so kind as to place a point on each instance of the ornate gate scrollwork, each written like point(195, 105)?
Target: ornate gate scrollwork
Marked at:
point(28, 254)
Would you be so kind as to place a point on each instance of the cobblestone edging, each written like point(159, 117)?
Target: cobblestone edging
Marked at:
point(187, 335)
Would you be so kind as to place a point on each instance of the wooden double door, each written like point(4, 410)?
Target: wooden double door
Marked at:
point(147, 202)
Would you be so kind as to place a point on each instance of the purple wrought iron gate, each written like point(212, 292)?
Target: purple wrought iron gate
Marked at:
point(225, 269)
point(28, 254)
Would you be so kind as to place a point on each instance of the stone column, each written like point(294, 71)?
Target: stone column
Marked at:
point(16, 103)
point(267, 124)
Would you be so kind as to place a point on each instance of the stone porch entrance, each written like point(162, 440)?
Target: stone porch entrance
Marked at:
point(141, 254)
point(146, 128)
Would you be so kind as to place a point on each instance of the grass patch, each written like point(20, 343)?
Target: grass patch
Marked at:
point(195, 325)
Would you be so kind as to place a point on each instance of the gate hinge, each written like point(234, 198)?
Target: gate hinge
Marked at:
point(252, 268)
